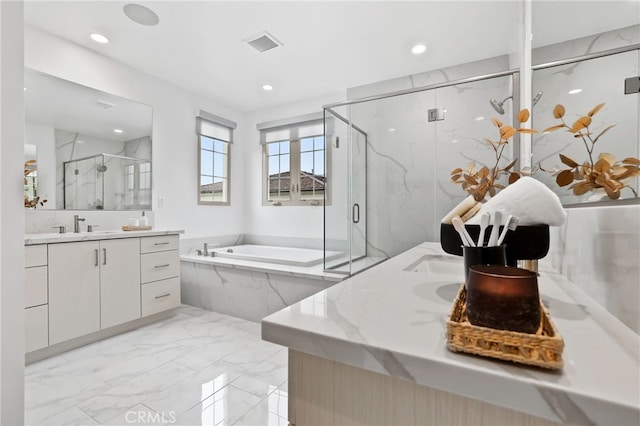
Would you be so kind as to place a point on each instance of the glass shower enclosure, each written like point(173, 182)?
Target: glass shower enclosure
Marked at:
point(106, 182)
point(391, 158)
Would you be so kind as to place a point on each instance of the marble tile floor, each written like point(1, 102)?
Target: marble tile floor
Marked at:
point(196, 368)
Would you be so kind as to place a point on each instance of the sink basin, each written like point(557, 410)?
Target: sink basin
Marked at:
point(436, 264)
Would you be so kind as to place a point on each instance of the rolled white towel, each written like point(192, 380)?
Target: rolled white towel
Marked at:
point(530, 200)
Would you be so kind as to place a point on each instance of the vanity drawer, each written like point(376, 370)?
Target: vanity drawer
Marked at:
point(35, 286)
point(35, 255)
point(36, 328)
point(160, 296)
point(159, 266)
point(159, 243)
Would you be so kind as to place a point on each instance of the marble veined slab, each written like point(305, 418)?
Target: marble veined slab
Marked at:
point(69, 237)
point(391, 319)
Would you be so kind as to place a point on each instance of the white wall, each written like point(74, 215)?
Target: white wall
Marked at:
point(278, 221)
point(174, 139)
point(11, 215)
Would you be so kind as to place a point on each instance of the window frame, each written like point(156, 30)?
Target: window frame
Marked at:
point(294, 170)
point(227, 178)
point(137, 190)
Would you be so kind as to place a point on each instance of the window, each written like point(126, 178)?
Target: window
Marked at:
point(215, 136)
point(137, 177)
point(295, 158)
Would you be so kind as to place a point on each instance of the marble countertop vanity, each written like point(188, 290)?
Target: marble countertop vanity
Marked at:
point(391, 319)
point(69, 237)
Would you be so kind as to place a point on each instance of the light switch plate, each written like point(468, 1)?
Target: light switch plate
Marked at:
point(436, 114)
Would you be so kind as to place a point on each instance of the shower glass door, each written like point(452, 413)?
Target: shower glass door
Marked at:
point(345, 210)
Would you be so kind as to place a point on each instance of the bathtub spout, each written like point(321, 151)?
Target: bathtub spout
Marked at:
point(206, 251)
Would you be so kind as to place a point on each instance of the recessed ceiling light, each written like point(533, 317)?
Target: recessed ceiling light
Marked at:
point(99, 38)
point(25, 89)
point(574, 91)
point(141, 15)
point(392, 129)
point(418, 49)
point(267, 87)
point(117, 131)
point(479, 118)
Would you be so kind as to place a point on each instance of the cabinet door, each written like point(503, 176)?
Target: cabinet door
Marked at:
point(74, 290)
point(36, 323)
point(119, 281)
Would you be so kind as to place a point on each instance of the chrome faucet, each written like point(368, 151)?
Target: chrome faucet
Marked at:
point(206, 251)
point(76, 223)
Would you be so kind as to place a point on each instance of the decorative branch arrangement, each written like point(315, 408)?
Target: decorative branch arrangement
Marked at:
point(29, 167)
point(606, 172)
point(485, 180)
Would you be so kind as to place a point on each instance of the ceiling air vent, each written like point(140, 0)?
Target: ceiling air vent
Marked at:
point(104, 104)
point(262, 41)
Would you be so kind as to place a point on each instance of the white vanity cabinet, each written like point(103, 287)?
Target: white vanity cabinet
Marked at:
point(93, 285)
point(160, 273)
point(36, 298)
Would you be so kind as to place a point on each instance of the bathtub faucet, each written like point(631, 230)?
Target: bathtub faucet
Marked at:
point(206, 248)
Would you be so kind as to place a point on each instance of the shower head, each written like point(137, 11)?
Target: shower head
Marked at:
point(101, 168)
point(498, 105)
point(536, 98)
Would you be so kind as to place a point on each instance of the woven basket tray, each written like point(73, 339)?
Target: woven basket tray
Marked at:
point(542, 349)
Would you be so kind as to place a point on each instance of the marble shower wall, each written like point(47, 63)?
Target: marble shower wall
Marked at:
point(598, 249)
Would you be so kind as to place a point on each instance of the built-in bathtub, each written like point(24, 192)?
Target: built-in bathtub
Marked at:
point(253, 281)
point(272, 254)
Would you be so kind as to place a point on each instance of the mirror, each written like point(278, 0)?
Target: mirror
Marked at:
point(93, 149)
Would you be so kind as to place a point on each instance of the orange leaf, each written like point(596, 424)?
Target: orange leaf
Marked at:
point(456, 171)
point(483, 172)
point(582, 188)
point(564, 178)
point(553, 128)
point(523, 116)
point(514, 176)
point(595, 109)
point(631, 160)
point(507, 132)
point(470, 180)
point(568, 161)
point(608, 158)
point(496, 122)
point(580, 124)
point(532, 131)
point(558, 111)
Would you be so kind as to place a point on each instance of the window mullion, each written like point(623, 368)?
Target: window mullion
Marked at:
point(295, 170)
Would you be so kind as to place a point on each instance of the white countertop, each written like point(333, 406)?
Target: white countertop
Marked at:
point(392, 320)
point(69, 237)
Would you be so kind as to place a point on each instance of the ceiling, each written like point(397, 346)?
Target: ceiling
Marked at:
point(327, 46)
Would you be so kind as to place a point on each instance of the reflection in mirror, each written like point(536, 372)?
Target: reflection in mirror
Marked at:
point(588, 84)
point(93, 148)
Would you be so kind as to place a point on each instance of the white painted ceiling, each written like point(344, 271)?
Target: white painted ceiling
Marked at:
point(328, 46)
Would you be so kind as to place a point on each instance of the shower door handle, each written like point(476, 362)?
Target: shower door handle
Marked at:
point(355, 213)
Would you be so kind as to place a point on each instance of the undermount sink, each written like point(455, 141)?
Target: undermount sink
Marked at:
point(435, 264)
